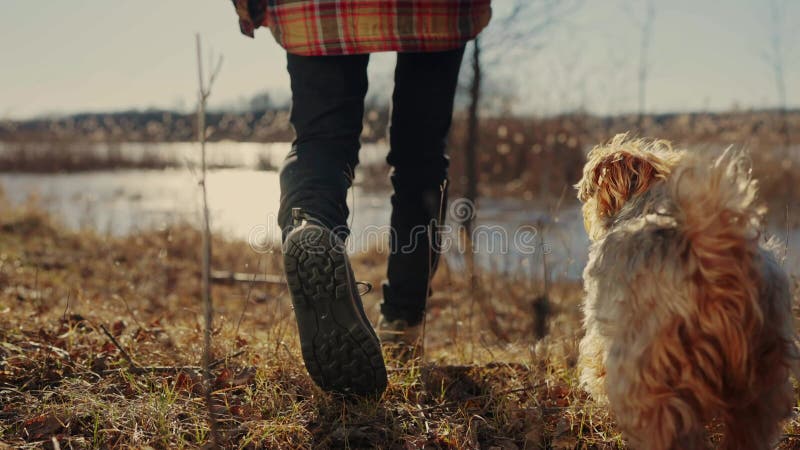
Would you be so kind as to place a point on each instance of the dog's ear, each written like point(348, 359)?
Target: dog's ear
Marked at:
point(612, 178)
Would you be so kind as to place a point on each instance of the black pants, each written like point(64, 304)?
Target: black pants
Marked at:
point(327, 114)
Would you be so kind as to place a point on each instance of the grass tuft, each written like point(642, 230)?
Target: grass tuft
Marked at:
point(62, 379)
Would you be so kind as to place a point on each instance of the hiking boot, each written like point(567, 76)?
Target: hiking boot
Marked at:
point(399, 339)
point(340, 349)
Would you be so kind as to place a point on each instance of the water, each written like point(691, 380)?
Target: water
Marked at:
point(244, 204)
point(123, 201)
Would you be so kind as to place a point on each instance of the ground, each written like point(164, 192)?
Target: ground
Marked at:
point(486, 379)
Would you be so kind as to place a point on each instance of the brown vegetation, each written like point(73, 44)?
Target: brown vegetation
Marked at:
point(540, 160)
point(524, 157)
point(63, 381)
point(57, 157)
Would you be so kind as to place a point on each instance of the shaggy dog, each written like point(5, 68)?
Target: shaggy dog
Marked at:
point(688, 317)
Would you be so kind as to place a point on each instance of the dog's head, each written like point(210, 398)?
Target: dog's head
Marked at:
point(616, 172)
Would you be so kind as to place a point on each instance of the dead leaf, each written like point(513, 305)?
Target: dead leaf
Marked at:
point(100, 364)
point(118, 327)
point(223, 377)
point(564, 443)
point(42, 426)
point(563, 438)
point(108, 348)
point(244, 377)
point(240, 342)
point(534, 436)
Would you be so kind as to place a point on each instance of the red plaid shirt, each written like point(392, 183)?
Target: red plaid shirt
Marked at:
point(339, 27)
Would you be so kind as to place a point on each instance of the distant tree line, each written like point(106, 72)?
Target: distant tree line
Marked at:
point(273, 125)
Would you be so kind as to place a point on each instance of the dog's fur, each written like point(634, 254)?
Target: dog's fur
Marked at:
point(687, 317)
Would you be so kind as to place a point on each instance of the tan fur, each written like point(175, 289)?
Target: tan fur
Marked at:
point(688, 319)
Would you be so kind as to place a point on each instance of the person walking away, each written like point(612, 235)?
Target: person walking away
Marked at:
point(328, 45)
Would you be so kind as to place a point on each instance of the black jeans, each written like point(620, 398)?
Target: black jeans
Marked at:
point(327, 114)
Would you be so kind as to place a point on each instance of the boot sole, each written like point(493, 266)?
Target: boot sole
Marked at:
point(340, 350)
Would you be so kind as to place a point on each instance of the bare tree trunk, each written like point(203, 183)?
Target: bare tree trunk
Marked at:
point(471, 192)
point(472, 196)
point(472, 132)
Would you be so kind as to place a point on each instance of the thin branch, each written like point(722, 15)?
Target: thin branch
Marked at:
point(174, 369)
point(247, 298)
point(134, 367)
point(645, 23)
point(775, 56)
point(208, 306)
point(496, 395)
point(527, 22)
point(130, 311)
point(214, 75)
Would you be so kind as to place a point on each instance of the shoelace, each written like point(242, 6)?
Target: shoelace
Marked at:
point(365, 285)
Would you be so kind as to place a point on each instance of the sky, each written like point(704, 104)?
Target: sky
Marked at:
point(62, 57)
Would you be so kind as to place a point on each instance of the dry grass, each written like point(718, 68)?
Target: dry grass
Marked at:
point(76, 156)
point(61, 380)
point(534, 158)
point(514, 152)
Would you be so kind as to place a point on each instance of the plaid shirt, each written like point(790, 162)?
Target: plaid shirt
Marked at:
point(340, 27)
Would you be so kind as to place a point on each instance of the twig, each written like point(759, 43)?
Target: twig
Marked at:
point(222, 360)
point(545, 269)
point(130, 311)
point(36, 288)
point(788, 236)
point(158, 369)
point(453, 403)
point(124, 353)
point(557, 210)
point(204, 92)
point(463, 367)
point(247, 297)
point(51, 348)
point(139, 370)
point(66, 307)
